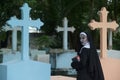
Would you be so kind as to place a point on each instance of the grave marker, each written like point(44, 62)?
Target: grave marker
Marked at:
point(25, 69)
point(103, 25)
point(65, 30)
point(25, 23)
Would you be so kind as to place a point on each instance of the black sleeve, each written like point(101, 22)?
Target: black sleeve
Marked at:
point(75, 65)
point(83, 60)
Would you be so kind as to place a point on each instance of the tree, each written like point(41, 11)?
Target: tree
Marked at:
point(9, 8)
point(51, 12)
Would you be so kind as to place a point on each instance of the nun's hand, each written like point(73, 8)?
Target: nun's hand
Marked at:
point(78, 58)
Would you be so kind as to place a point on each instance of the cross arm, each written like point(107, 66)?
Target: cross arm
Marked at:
point(8, 28)
point(113, 25)
point(59, 29)
point(72, 29)
point(13, 22)
point(93, 24)
point(36, 23)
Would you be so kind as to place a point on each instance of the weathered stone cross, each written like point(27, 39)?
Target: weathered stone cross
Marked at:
point(25, 23)
point(103, 25)
point(65, 32)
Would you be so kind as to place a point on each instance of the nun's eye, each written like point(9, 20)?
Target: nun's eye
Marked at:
point(82, 37)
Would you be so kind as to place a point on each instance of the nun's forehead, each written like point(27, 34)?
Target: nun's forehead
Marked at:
point(83, 34)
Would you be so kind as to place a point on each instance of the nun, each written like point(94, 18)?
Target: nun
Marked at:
point(87, 63)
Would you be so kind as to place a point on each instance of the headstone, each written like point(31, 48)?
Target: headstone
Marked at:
point(43, 58)
point(25, 69)
point(103, 25)
point(40, 55)
point(65, 30)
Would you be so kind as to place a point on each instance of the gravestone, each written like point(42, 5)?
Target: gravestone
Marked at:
point(25, 69)
point(65, 30)
point(103, 25)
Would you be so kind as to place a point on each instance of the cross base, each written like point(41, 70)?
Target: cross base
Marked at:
point(25, 70)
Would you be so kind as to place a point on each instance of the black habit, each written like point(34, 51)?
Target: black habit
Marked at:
point(89, 66)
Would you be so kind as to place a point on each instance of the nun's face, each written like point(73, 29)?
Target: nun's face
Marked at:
point(83, 39)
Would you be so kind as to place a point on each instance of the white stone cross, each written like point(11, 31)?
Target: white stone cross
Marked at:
point(14, 36)
point(25, 23)
point(65, 32)
point(103, 25)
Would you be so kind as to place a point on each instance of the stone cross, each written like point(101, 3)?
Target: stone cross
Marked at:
point(25, 23)
point(14, 36)
point(103, 25)
point(65, 32)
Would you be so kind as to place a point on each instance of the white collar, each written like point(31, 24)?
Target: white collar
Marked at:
point(87, 45)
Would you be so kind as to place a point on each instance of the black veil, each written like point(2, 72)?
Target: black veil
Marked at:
point(94, 65)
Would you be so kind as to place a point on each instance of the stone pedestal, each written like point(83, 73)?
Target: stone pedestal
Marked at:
point(64, 60)
point(11, 57)
point(25, 70)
